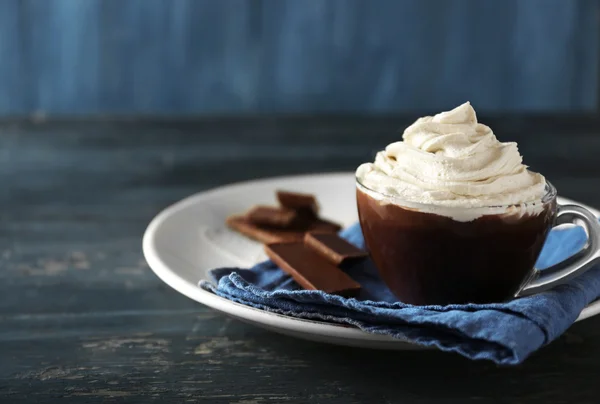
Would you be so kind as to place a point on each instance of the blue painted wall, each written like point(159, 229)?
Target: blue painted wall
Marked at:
point(236, 56)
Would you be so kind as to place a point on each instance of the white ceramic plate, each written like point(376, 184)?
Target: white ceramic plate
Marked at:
point(189, 238)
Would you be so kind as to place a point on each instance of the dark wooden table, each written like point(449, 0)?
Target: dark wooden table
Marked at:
point(83, 319)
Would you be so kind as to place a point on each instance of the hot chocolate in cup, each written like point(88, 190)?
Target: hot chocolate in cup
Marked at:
point(451, 215)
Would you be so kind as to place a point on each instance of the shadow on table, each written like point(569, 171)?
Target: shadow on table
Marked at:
point(563, 369)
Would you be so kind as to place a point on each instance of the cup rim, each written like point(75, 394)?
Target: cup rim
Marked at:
point(549, 196)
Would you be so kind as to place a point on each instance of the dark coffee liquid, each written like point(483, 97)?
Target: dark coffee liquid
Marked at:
point(427, 259)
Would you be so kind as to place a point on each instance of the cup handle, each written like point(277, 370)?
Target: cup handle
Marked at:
point(573, 266)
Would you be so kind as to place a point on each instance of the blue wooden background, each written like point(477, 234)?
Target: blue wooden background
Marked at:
point(236, 56)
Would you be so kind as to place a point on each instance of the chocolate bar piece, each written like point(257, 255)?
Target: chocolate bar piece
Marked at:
point(271, 216)
point(299, 202)
point(333, 248)
point(324, 226)
point(310, 269)
point(262, 234)
point(273, 235)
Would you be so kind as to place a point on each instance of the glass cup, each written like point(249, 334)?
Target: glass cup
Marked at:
point(428, 259)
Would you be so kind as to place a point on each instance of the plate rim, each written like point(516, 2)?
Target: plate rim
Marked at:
point(269, 319)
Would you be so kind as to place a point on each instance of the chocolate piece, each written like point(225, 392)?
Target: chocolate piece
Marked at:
point(271, 216)
point(272, 235)
point(322, 226)
point(299, 202)
point(333, 248)
point(311, 270)
point(262, 234)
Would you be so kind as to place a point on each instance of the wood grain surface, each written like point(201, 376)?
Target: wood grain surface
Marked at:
point(84, 320)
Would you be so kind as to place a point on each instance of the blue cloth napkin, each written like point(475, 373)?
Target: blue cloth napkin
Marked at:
point(505, 333)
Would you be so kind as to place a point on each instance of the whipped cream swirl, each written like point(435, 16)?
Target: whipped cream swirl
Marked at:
point(451, 162)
